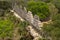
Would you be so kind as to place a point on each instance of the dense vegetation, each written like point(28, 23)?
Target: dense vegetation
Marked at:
point(9, 23)
point(53, 29)
point(53, 11)
point(45, 9)
point(38, 8)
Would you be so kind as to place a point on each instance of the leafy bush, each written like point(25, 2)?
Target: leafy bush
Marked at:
point(6, 27)
point(46, 0)
point(53, 28)
point(56, 3)
point(38, 8)
point(8, 23)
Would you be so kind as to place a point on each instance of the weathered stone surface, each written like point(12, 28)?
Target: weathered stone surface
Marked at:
point(29, 17)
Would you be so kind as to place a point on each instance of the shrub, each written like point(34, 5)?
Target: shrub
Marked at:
point(38, 8)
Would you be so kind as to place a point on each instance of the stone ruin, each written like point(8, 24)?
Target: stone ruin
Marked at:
point(29, 17)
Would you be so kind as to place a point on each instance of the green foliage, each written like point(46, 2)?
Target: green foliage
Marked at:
point(53, 10)
point(54, 28)
point(38, 8)
point(6, 27)
point(56, 3)
point(7, 24)
point(47, 1)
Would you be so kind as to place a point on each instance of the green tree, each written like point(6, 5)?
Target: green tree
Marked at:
point(38, 8)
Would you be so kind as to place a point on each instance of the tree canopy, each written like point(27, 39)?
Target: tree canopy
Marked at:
point(38, 8)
